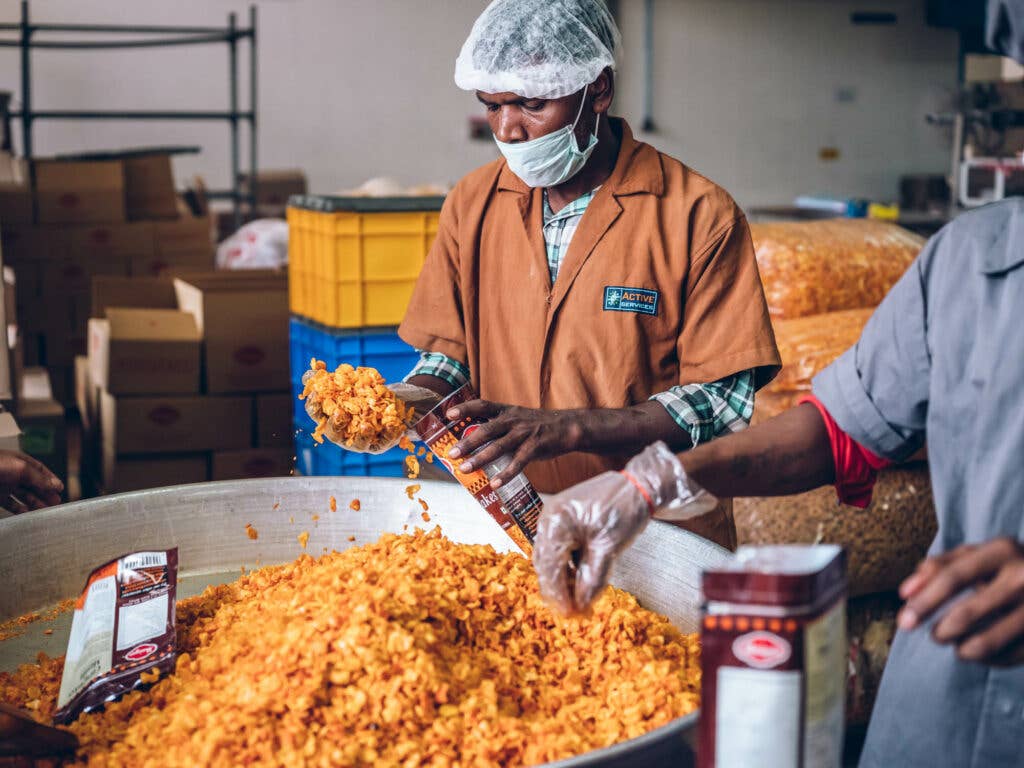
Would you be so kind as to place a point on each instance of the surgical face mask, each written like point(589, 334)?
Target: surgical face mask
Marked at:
point(551, 159)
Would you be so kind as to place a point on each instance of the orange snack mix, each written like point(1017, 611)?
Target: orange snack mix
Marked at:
point(412, 467)
point(334, 504)
point(411, 651)
point(303, 538)
point(355, 505)
point(412, 490)
point(251, 532)
point(353, 407)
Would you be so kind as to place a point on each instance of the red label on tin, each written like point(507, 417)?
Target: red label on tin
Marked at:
point(140, 652)
point(762, 650)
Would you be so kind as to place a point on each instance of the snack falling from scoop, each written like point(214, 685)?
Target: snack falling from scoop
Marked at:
point(353, 407)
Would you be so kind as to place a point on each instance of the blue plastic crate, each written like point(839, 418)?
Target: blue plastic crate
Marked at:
point(374, 348)
point(328, 460)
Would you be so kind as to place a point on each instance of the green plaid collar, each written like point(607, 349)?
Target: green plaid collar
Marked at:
point(575, 208)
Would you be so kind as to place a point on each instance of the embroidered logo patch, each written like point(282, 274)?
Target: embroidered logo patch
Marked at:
point(618, 298)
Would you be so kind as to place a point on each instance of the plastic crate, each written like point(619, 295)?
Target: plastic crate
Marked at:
point(353, 261)
point(328, 460)
point(378, 348)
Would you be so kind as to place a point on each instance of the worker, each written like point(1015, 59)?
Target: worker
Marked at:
point(598, 294)
point(942, 360)
point(26, 484)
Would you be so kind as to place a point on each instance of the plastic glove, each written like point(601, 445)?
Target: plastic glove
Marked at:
point(583, 529)
point(419, 398)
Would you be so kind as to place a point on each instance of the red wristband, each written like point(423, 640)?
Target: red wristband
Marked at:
point(643, 492)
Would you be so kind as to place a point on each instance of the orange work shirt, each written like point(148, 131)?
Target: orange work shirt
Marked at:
point(659, 287)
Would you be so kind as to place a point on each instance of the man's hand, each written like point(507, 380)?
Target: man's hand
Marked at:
point(525, 434)
point(987, 624)
point(583, 529)
point(25, 484)
point(528, 434)
point(580, 533)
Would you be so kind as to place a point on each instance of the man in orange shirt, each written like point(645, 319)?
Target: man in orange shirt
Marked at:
point(598, 295)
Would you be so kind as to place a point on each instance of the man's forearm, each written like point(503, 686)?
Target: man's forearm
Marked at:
point(628, 430)
point(788, 454)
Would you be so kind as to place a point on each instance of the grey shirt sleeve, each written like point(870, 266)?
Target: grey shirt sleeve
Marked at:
point(877, 391)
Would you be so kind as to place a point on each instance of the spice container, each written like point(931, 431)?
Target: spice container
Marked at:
point(773, 659)
point(515, 506)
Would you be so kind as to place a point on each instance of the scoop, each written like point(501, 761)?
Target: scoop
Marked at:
point(21, 736)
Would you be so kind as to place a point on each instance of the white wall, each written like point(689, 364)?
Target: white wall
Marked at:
point(745, 92)
point(349, 89)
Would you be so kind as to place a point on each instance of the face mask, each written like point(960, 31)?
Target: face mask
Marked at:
point(551, 159)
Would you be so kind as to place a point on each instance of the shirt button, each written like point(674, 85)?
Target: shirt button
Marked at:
point(548, 300)
point(1005, 706)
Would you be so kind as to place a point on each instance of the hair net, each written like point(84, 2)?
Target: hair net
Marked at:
point(538, 49)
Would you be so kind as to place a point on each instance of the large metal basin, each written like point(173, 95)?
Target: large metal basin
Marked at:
point(45, 557)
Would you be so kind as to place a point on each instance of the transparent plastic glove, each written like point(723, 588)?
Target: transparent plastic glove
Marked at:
point(583, 529)
point(419, 398)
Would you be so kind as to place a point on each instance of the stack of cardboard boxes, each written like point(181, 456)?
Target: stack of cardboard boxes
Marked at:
point(81, 218)
point(186, 380)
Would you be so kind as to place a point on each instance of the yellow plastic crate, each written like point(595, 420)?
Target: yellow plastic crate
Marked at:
point(353, 261)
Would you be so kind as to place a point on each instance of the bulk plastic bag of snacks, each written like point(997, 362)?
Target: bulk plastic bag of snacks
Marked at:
point(260, 244)
point(884, 542)
point(807, 345)
point(824, 266)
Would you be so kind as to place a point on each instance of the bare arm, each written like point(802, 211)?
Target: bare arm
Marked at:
point(788, 454)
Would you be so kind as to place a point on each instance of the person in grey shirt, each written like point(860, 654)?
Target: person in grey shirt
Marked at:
point(941, 360)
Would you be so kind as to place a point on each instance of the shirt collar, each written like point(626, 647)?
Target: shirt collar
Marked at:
point(574, 208)
point(637, 169)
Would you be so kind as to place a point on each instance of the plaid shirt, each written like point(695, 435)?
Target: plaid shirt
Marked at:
point(705, 411)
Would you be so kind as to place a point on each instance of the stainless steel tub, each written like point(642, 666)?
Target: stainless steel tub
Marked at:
point(45, 557)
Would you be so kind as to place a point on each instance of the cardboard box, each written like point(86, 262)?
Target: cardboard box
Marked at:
point(10, 433)
point(274, 419)
point(145, 352)
point(244, 320)
point(62, 380)
point(254, 462)
point(62, 340)
point(98, 240)
point(167, 263)
point(24, 245)
point(149, 187)
point(17, 344)
point(72, 275)
point(147, 425)
point(273, 188)
point(134, 473)
point(87, 399)
point(87, 395)
point(988, 68)
point(15, 192)
point(186, 234)
point(10, 297)
point(139, 292)
point(29, 308)
point(73, 192)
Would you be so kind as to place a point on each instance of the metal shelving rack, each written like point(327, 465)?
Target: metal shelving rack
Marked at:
point(160, 36)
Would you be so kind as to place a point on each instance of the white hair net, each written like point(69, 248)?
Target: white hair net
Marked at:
point(538, 49)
